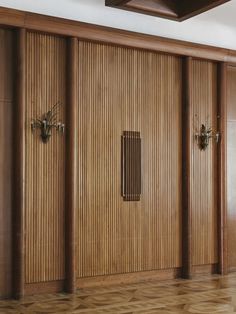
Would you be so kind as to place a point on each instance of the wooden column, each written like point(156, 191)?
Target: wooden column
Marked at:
point(71, 143)
point(19, 166)
point(186, 155)
point(222, 168)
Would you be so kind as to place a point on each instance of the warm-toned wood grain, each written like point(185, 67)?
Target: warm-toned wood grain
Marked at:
point(204, 269)
point(32, 21)
point(203, 164)
point(6, 102)
point(222, 169)
point(18, 227)
point(45, 171)
point(118, 88)
point(231, 169)
point(121, 89)
point(186, 170)
point(130, 278)
point(71, 165)
point(44, 287)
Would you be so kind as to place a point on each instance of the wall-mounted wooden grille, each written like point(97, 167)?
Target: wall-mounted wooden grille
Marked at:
point(131, 166)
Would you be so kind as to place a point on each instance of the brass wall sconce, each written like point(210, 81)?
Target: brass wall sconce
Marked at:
point(204, 136)
point(47, 123)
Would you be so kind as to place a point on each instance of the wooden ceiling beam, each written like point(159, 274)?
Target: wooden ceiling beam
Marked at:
point(178, 10)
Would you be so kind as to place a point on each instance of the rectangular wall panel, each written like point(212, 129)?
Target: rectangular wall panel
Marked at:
point(203, 164)
point(45, 164)
point(131, 166)
point(125, 89)
point(6, 103)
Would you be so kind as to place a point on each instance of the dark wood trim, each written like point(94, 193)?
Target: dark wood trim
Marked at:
point(128, 278)
point(159, 11)
point(19, 167)
point(180, 11)
point(48, 24)
point(70, 216)
point(186, 155)
point(44, 287)
point(115, 3)
point(222, 168)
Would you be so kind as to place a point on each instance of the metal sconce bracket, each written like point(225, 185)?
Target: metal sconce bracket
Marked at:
point(204, 136)
point(47, 123)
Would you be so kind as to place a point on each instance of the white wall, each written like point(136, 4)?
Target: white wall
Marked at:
point(217, 27)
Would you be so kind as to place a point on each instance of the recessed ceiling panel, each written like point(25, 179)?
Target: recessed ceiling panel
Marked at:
point(178, 10)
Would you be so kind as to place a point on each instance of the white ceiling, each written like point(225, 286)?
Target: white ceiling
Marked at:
point(216, 27)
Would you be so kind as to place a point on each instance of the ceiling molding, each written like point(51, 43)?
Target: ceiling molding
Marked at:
point(177, 10)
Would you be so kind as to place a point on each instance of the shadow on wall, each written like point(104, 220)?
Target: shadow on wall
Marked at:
point(90, 2)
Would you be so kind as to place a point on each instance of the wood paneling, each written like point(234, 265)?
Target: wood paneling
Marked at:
point(110, 90)
point(6, 102)
point(231, 173)
point(45, 163)
point(131, 278)
point(203, 164)
point(204, 269)
point(44, 287)
point(123, 89)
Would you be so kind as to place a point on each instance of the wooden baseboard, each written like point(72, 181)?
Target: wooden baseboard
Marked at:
point(232, 269)
point(204, 269)
point(44, 287)
point(129, 278)
point(108, 280)
point(5, 296)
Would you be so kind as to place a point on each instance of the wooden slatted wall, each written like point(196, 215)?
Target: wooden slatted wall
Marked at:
point(120, 90)
point(203, 164)
point(45, 164)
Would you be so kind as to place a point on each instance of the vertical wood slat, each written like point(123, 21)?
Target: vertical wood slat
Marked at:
point(222, 169)
point(45, 171)
point(203, 164)
point(19, 167)
point(126, 89)
point(186, 155)
point(71, 168)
